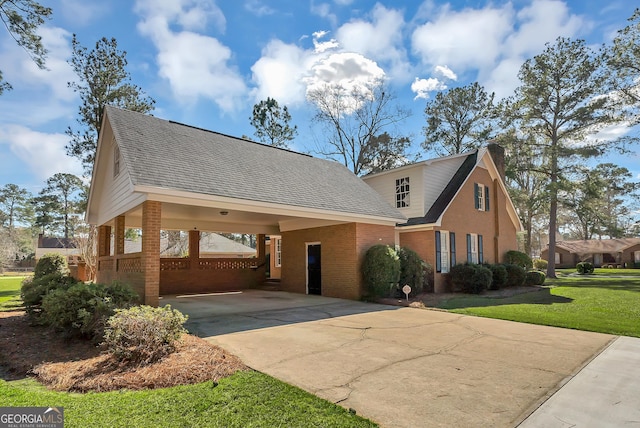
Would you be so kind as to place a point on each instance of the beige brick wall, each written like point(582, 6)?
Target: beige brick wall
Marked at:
point(342, 249)
point(151, 216)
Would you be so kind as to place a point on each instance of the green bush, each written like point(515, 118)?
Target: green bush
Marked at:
point(584, 268)
point(380, 269)
point(34, 289)
point(540, 264)
point(535, 277)
point(413, 271)
point(516, 275)
point(499, 276)
point(518, 258)
point(83, 308)
point(470, 278)
point(143, 334)
point(51, 263)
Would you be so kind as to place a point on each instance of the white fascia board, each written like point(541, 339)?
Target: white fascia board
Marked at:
point(418, 227)
point(222, 202)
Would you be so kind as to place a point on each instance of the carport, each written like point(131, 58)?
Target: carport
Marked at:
point(158, 175)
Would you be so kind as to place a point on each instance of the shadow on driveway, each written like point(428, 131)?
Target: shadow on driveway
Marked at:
point(237, 311)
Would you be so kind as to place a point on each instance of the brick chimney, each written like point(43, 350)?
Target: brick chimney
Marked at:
point(497, 154)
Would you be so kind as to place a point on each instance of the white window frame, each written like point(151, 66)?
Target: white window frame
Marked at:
point(278, 252)
point(474, 247)
point(557, 258)
point(445, 256)
point(403, 190)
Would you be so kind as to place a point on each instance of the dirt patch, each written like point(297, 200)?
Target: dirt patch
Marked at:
point(77, 365)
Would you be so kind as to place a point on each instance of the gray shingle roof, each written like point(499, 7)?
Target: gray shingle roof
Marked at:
point(170, 155)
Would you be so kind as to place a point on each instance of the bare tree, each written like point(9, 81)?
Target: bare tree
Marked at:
point(355, 119)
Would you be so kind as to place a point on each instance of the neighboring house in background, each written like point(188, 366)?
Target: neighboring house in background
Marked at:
point(601, 252)
point(212, 245)
point(64, 246)
point(458, 209)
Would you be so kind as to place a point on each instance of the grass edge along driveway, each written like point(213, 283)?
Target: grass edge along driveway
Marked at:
point(606, 302)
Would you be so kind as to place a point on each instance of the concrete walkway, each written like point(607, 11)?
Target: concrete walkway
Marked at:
point(606, 393)
point(401, 367)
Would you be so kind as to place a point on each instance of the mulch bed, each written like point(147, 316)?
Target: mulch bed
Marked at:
point(67, 364)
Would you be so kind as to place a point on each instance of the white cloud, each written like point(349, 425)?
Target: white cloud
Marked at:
point(81, 12)
point(446, 72)
point(43, 153)
point(258, 8)
point(195, 65)
point(492, 41)
point(278, 73)
point(422, 87)
point(323, 10)
point(320, 47)
point(465, 39)
point(379, 39)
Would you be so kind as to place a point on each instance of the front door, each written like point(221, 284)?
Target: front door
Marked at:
point(314, 271)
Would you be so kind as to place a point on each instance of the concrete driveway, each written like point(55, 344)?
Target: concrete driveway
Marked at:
point(401, 367)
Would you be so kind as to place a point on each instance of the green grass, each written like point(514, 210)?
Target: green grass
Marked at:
point(246, 399)
point(607, 302)
point(10, 293)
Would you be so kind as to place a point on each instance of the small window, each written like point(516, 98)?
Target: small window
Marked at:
point(636, 256)
point(116, 160)
point(278, 259)
point(474, 242)
point(481, 197)
point(558, 258)
point(402, 192)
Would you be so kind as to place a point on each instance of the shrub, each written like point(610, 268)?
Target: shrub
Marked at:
point(518, 258)
point(470, 278)
point(584, 268)
point(535, 277)
point(499, 276)
point(143, 334)
point(34, 289)
point(51, 263)
point(380, 269)
point(83, 308)
point(516, 275)
point(540, 264)
point(413, 270)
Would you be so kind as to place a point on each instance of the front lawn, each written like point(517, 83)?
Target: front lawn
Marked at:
point(607, 302)
point(245, 399)
point(10, 293)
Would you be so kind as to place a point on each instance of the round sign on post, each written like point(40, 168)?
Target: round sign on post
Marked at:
point(406, 290)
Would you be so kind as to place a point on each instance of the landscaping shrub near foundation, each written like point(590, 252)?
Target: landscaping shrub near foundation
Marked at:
point(413, 271)
point(498, 276)
point(470, 278)
point(516, 275)
point(535, 277)
point(540, 264)
point(381, 270)
point(519, 258)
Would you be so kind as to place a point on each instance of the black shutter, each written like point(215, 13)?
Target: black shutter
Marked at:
point(438, 253)
point(480, 253)
point(486, 198)
point(452, 245)
point(469, 259)
point(475, 196)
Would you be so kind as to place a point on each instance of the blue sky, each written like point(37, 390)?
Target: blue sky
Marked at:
point(207, 62)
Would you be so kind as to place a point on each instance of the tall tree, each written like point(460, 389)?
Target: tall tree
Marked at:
point(103, 80)
point(46, 209)
point(582, 197)
point(561, 100)
point(624, 60)
point(459, 120)
point(66, 188)
point(355, 119)
point(526, 182)
point(22, 18)
point(13, 199)
point(272, 123)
